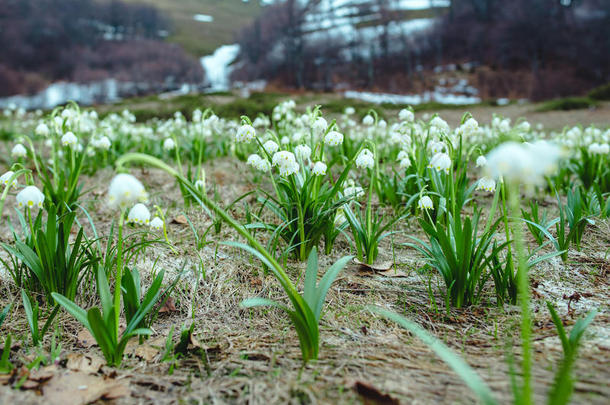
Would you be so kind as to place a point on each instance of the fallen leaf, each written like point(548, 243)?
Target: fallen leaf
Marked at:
point(372, 396)
point(85, 339)
point(180, 219)
point(78, 388)
point(385, 269)
point(374, 267)
point(87, 363)
point(169, 306)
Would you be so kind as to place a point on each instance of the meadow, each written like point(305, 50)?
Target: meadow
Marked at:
point(273, 251)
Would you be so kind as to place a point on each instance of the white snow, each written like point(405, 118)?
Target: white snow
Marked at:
point(218, 67)
point(413, 99)
point(203, 18)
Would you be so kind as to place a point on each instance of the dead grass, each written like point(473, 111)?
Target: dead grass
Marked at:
point(252, 356)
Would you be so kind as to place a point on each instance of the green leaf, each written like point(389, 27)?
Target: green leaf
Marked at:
point(462, 369)
point(327, 280)
point(311, 275)
point(76, 311)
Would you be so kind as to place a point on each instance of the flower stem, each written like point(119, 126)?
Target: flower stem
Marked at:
point(118, 277)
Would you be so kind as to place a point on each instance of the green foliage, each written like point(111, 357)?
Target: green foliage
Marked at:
point(460, 255)
point(567, 104)
point(32, 313)
point(540, 220)
point(601, 92)
point(102, 323)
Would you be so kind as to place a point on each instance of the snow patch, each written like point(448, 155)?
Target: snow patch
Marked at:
point(413, 99)
point(203, 18)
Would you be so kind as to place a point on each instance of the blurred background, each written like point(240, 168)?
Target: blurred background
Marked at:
point(384, 51)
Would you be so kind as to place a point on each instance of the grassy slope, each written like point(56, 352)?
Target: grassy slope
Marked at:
point(201, 38)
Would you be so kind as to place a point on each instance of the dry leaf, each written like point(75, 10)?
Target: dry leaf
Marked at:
point(180, 219)
point(169, 306)
point(78, 388)
point(85, 339)
point(87, 363)
point(146, 352)
point(372, 396)
point(377, 267)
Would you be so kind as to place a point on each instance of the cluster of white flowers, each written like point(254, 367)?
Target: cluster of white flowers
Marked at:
point(403, 159)
point(102, 143)
point(319, 169)
point(302, 152)
point(599, 148)
point(6, 177)
point(69, 139)
point(406, 115)
point(286, 162)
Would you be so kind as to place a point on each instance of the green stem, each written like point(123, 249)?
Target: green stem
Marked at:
point(118, 277)
point(524, 296)
point(303, 245)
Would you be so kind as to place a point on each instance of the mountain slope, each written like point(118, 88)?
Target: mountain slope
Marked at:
point(202, 37)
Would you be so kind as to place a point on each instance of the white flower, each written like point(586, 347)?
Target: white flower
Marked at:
point(302, 152)
point(425, 203)
point(599, 149)
point(253, 159)
point(169, 144)
point(139, 214)
point(405, 163)
point(365, 159)
point(469, 127)
point(402, 154)
point(382, 124)
point(368, 120)
point(42, 129)
point(436, 147)
point(156, 223)
point(125, 190)
point(245, 133)
point(286, 162)
point(101, 143)
point(440, 124)
point(440, 162)
point(270, 147)
point(353, 191)
point(69, 139)
point(522, 163)
point(319, 169)
point(258, 163)
point(4, 179)
point(320, 125)
point(481, 161)
point(340, 217)
point(30, 197)
point(487, 184)
point(200, 184)
point(19, 151)
point(333, 138)
point(406, 115)
point(350, 111)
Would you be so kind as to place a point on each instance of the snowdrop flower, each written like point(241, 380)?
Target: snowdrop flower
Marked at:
point(481, 161)
point(598, 149)
point(350, 111)
point(270, 147)
point(440, 162)
point(30, 197)
point(436, 147)
point(69, 139)
point(522, 163)
point(402, 154)
point(4, 179)
point(525, 126)
point(259, 163)
point(365, 159)
point(440, 124)
point(406, 115)
point(368, 120)
point(319, 169)
point(253, 159)
point(320, 125)
point(286, 162)
point(245, 133)
point(340, 217)
point(102, 143)
point(125, 190)
point(487, 184)
point(42, 130)
point(19, 151)
point(139, 214)
point(382, 124)
point(425, 203)
point(333, 138)
point(302, 152)
point(200, 184)
point(469, 127)
point(169, 144)
point(405, 163)
point(156, 223)
point(353, 191)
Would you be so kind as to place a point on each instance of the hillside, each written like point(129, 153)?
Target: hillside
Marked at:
point(202, 37)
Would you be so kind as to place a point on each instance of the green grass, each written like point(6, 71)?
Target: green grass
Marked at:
point(567, 104)
point(600, 93)
point(202, 38)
